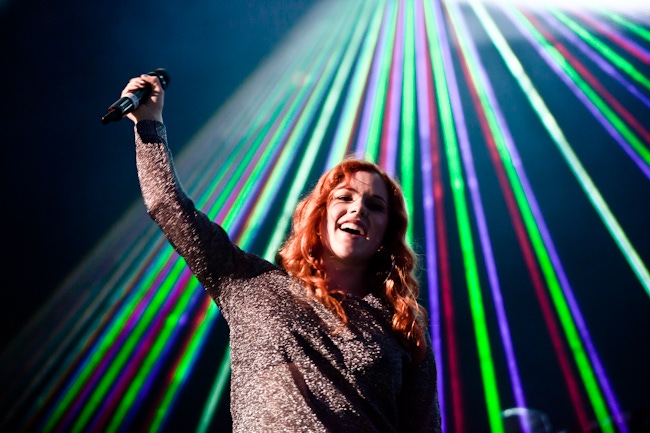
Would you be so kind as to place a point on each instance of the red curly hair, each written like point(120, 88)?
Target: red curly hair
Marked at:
point(390, 272)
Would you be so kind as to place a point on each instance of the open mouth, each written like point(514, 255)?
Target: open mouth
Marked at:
point(353, 229)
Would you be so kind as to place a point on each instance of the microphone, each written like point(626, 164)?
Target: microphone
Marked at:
point(131, 101)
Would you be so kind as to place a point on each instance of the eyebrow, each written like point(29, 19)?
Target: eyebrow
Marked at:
point(349, 188)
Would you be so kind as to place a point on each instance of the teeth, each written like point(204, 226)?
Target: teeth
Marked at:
point(353, 228)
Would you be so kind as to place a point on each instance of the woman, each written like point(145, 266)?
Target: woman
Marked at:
point(333, 340)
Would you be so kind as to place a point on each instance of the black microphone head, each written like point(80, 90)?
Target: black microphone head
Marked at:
point(162, 75)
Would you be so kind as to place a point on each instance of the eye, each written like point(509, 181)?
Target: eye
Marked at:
point(376, 206)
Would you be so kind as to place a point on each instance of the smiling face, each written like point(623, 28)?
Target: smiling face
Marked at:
point(356, 220)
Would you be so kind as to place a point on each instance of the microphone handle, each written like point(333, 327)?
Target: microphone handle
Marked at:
point(131, 101)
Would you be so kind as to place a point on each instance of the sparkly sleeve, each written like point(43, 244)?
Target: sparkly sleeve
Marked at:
point(419, 407)
point(205, 246)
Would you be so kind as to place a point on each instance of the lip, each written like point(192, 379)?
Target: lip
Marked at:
point(358, 223)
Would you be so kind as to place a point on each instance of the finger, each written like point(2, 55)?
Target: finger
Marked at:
point(134, 84)
point(156, 86)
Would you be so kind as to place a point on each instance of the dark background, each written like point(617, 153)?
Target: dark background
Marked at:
point(67, 178)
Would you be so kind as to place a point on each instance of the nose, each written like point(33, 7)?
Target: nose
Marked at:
point(358, 206)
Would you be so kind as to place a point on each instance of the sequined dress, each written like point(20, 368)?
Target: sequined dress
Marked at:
point(291, 370)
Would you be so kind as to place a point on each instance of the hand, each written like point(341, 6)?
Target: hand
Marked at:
point(150, 108)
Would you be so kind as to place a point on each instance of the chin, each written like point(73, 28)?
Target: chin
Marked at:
point(355, 258)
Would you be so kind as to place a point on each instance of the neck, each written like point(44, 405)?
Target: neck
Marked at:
point(348, 280)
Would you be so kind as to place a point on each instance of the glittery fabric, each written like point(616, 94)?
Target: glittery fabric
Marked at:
point(294, 367)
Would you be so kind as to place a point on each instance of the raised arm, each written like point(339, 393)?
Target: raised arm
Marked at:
point(216, 262)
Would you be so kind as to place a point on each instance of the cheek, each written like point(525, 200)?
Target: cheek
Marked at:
point(327, 227)
point(334, 212)
point(382, 223)
point(382, 226)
